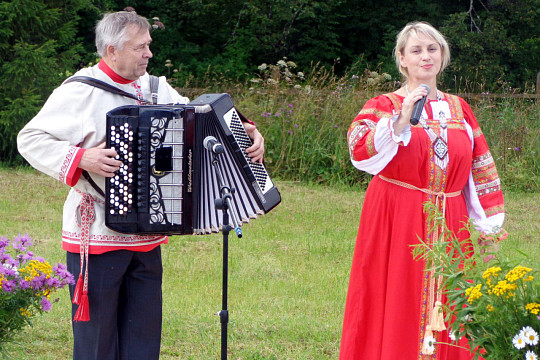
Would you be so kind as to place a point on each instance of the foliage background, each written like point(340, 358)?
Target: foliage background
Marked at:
point(342, 47)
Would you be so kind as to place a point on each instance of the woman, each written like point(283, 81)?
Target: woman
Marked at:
point(443, 160)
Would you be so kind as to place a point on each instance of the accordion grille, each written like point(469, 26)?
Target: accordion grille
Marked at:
point(237, 129)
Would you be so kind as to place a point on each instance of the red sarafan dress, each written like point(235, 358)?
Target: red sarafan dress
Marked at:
point(391, 295)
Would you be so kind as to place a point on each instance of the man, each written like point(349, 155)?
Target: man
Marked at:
point(117, 299)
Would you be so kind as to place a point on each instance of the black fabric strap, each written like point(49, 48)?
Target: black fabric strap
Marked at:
point(154, 83)
point(87, 176)
point(101, 85)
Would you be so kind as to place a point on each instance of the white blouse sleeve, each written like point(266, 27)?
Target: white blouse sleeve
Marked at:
point(386, 144)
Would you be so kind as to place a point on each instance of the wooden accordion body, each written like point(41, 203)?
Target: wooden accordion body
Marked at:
point(167, 183)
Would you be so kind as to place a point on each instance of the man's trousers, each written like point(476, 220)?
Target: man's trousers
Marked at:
point(124, 294)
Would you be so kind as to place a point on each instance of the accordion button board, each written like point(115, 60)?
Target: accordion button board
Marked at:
point(167, 183)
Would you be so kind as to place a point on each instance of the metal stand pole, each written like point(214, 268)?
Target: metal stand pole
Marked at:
point(223, 203)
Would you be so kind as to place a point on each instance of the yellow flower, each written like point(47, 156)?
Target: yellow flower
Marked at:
point(474, 293)
point(502, 288)
point(25, 312)
point(490, 273)
point(35, 268)
point(534, 308)
point(490, 308)
point(517, 273)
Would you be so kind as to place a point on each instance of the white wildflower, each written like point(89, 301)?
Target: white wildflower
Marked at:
point(518, 341)
point(530, 355)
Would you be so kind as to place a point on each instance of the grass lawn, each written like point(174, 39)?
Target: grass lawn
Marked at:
point(288, 275)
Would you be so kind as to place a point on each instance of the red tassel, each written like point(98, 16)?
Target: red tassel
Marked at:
point(78, 290)
point(83, 312)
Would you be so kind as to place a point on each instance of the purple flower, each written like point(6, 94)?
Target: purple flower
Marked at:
point(37, 282)
point(4, 241)
point(23, 284)
point(290, 105)
point(53, 283)
point(516, 149)
point(45, 304)
point(22, 242)
point(4, 257)
point(8, 285)
point(27, 257)
point(10, 271)
point(65, 276)
point(296, 125)
point(289, 132)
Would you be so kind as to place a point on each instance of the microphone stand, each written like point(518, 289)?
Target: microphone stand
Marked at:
point(224, 203)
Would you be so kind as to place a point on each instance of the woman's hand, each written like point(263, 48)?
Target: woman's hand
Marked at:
point(407, 108)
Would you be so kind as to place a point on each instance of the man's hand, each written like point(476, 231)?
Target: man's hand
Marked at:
point(255, 151)
point(99, 160)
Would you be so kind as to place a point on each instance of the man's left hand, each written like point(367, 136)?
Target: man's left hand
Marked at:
point(255, 151)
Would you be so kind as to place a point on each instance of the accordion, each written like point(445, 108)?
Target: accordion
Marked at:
point(167, 183)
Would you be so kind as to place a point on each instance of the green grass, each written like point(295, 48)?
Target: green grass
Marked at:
point(288, 275)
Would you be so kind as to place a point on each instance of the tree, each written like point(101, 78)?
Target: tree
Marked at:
point(495, 45)
point(38, 46)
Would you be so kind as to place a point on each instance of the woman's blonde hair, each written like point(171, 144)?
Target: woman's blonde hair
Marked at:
point(413, 29)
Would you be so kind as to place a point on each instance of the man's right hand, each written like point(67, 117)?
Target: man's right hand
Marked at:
point(101, 161)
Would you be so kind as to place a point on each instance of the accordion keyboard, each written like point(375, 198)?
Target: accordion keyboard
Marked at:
point(237, 129)
point(121, 186)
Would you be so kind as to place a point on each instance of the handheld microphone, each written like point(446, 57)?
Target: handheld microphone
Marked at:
point(211, 144)
point(418, 107)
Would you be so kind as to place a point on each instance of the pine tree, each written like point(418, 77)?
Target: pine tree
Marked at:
point(38, 45)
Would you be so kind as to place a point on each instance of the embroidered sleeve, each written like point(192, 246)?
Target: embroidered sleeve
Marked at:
point(371, 138)
point(483, 193)
point(49, 142)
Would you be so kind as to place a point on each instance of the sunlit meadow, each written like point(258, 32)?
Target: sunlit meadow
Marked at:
point(289, 273)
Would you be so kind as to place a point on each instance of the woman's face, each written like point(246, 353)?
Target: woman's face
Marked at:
point(422, 58)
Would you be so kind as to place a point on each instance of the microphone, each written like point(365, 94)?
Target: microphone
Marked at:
point(211, 144)
point(418, 107)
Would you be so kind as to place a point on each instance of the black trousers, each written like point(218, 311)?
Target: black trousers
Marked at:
point(124, 293)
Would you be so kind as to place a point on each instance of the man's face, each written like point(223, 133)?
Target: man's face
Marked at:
point(131, 61)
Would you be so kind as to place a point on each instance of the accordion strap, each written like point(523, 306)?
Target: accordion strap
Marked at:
point(87, 176)
point(154, 83)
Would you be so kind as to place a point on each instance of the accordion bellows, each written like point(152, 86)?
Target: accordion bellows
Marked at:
point(167, 183)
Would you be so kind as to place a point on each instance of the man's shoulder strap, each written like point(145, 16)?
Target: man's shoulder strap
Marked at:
point(154, 84)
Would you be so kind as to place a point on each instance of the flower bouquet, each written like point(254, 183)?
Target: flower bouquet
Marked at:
point(26, 284)
point(494, 304)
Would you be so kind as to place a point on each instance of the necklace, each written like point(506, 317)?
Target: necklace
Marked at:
point(439, 143)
